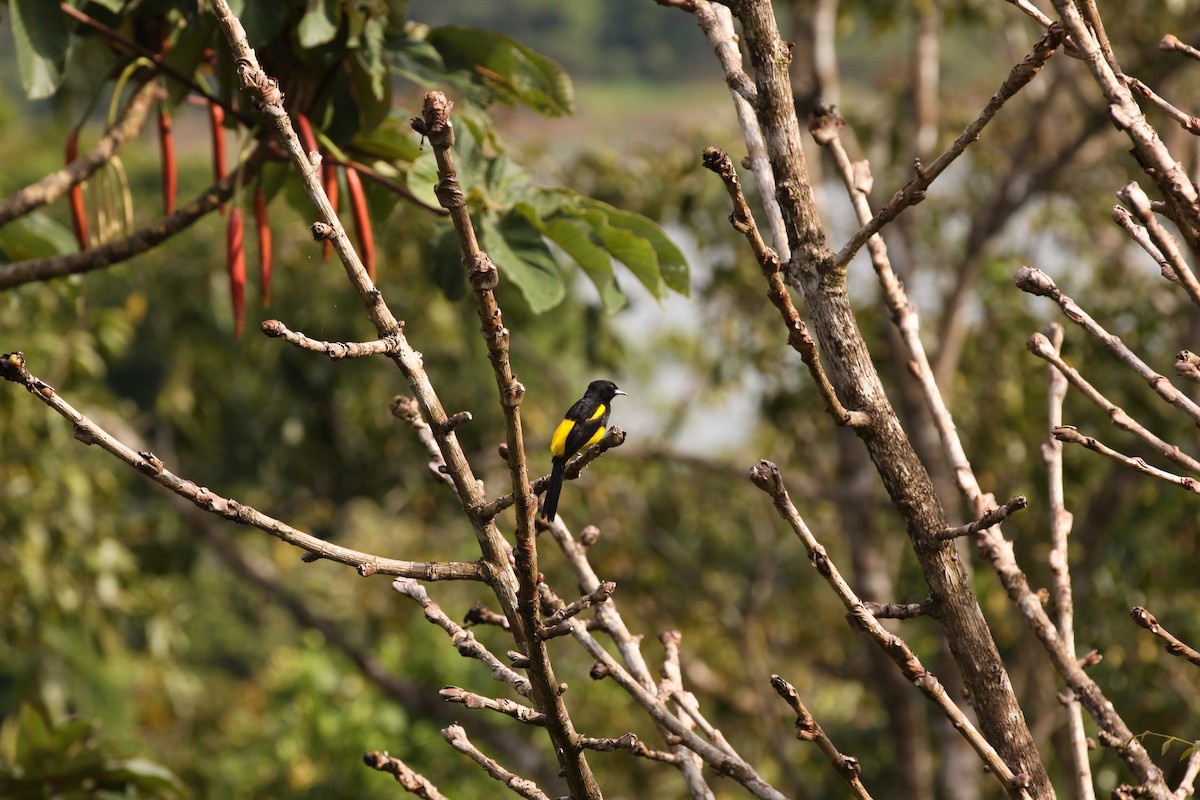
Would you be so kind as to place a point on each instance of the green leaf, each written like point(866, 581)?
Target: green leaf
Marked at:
point(319, 24)
point(447, 267)
point(519, 253)
point(187, 51)
point(511, 71)
point(35, 236)
point(576, 240)
point(40, 32)
point(423, 177)
point(671, 261)
point(371, 89)
point(632, 250)
point(392, 140)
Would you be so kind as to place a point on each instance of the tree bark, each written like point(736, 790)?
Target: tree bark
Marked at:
point(849, 364)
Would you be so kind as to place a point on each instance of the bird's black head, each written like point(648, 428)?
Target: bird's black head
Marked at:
point(605, 390)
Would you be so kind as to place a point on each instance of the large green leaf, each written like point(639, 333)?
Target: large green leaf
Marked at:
point(671, 262)
point(319, 24)
point(512, 71)
point(634, 251)
point(519, 253)
point(40, 32)
point(576, 240)
point(35, 236)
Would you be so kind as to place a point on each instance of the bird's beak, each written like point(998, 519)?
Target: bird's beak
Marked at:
point(618, 391)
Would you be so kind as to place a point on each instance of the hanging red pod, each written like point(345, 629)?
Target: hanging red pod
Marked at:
point(263, 228)
point(235, 246)
point(79, 221)
point(216, 118)
point(362, 220)
point(170, 173)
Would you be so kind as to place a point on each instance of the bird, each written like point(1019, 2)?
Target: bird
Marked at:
point(583, 425)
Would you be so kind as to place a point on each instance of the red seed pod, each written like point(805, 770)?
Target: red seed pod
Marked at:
point(263, 228)
point(329, 179)
point(235, 246)
point(362, 220)
point(170, 175)
point(216, 118)
point(308, 139)
point(79, 221)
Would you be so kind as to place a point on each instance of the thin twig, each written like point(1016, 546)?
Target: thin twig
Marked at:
point(1187, 366)
point(599, 595)
point(914, 191)
point(1140, 235)
point(1174, 646)
point(1060, 530)
point(12, 368)
point(896, 610)
point(453, 694)
point(1070, 435)
point(1041, 347)
point(335, 350)
point(409, 410)
point(464, 641)
point(719, 162)
point(412, 781)
point(1034, 281)
point(457, 737)
point(990, 518)
point(1133, 196)
point(57, 184)
point(1172, 42)
point(1186, 121)
point(809, 730)
point(139, 241)
point(767, 477)
point(630, 743)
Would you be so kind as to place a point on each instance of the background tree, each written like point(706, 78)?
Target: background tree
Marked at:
point(117, 595)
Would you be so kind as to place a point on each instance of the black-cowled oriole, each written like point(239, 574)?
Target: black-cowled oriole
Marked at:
point(583, 425)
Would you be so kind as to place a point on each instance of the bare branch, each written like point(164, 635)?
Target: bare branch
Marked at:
point(12, 368)
point(914, 191)
point(1041, 347)
point(56, 184)
point(1140, 235)
point(457, 737)
point(409, 410)
point(990, 518)
point(767, 477)
point(139, 241)
point(1174, 646)
point(1034, 281)
point(1172, 42)
point(809, 730)
point(464, 641)
point(595, 597)
point(631, 743)
point(716, 160)
point(1060, 530)
point(413, 782)
point(1133, 196)
point(335, 350)
point(896, 610)
point(453, 694)
point(1070, 435)
point(1187, 366)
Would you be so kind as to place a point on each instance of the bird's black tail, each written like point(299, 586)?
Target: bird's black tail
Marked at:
point(553, 490)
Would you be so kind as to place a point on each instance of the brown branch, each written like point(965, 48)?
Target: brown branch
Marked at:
point(12, 368)
point(896, 610)
point(388, 183)
point(767, 477)
point(628, 645)
point(991, 517)
point(1172, 42)
point(1181, 195)
point(914, 191)
point(742, 220)
point(138, 242)
point(1186, 121)
point(630, 743)
point(464, 641)
point(457, 737)
point(809, 730)
point(1068, 434)
point(1187, 366)
point(1034, 281)
point(435, 124)
point(1060, 530)
point(1140, 235)
point(57, 184)
point(453, 694)
point(1114, 732)
point(1041, 347)
point(335, 350)
point(409, 410)
point(413, 782)
point(1133, 196)
point(1174, 646)
point(599, 595)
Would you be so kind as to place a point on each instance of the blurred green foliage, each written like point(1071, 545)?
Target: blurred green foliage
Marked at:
point(122, 605)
